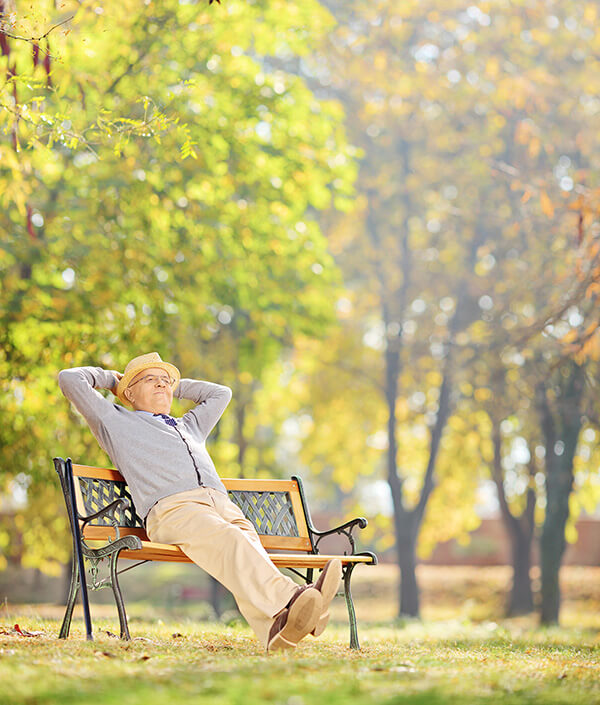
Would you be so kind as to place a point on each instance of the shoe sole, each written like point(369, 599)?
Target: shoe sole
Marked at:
point(302, 619)
point(329, 589)
point(321, 624)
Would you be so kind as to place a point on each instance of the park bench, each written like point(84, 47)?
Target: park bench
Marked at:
point(105, 526)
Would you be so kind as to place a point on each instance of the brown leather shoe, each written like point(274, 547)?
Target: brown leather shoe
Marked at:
point(296, 620)
point(327, 584)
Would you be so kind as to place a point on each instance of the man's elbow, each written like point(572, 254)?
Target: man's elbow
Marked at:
point(66, 379)
point(63, 379)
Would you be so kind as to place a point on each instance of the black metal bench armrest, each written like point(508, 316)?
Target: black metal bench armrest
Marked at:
point(343, 530)
point(109, 511)
point(129, 543)
point(370, 554)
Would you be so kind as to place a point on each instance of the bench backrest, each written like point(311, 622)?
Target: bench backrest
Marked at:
point(275, 507)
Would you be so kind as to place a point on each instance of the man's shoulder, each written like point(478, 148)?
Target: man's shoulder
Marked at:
point(119, 412)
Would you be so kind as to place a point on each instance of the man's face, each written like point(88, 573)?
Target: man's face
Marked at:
point(150, 391)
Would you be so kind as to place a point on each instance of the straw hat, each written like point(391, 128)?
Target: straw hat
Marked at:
point(141, 363)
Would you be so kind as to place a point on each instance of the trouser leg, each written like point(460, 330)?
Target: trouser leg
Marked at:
point(214, 533)
point(256, 618)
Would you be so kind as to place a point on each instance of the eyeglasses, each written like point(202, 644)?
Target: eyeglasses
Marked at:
point(153, 379)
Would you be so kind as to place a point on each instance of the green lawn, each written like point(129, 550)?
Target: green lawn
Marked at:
point(190, 662)
point(463, 653)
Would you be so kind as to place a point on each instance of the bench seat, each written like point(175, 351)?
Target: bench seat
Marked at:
point(167, 552)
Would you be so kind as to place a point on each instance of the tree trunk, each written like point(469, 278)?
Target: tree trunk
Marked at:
point(408, 523)
point(407, 561)
point(561, 426)
point(551, 552)
point(408, 591)
point(521, 595)
point(553, 542)
point(519, 530)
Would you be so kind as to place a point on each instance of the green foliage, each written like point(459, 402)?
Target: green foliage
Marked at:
point(164, 188)
point(158, 191)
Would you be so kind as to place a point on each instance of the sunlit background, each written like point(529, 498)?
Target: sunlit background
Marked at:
point(377, 222)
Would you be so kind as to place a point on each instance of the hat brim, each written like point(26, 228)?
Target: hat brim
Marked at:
point(127, 378)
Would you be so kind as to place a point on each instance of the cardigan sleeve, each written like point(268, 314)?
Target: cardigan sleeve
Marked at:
point(211, 401)
point(79, 385)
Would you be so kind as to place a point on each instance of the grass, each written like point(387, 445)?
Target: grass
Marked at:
point(458, 654)
point(187, 662)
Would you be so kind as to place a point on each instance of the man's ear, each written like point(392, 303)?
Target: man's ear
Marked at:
point(127, 394)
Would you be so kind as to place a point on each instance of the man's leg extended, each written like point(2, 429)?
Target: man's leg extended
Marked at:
point(327, 584)
point(215, 535)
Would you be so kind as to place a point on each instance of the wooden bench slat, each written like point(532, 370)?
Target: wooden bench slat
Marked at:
point(273, 543)
point(99, 473)
point(157, 552)
point(259, 484)
point(168, 552)
point(97, 533)
point(231, 483)
point(308, 560)
point(285, 543)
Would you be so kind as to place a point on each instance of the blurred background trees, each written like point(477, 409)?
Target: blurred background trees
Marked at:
point(376, 221)
point(473, 254)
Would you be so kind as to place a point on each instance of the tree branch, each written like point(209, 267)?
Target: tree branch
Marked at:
point(436, 437)
point(36, 39)
point(508, 516)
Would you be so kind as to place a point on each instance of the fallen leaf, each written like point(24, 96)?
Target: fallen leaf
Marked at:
point(114, 636)
point(144, 657)
point(144, 638)
point(104, 653)
point(24, 632)
point(177, 635)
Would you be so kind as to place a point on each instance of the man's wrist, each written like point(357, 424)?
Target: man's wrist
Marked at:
point(111, 380)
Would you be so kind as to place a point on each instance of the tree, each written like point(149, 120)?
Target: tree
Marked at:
point(561, 426)
point(119, 242)
point(456, 241)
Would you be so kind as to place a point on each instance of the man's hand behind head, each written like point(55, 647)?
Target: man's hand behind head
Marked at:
point(118, 375)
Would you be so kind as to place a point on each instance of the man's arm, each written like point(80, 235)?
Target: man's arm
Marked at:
point(79, 385)
point(211, 400)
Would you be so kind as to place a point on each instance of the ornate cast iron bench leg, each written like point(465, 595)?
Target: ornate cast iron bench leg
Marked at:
point(111, 554)
point(114, 582)
point(350, 604)
point(73, 590)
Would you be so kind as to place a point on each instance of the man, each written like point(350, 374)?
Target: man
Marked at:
point(182, 500)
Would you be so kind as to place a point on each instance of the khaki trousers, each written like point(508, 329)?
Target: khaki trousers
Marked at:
point(212, 531)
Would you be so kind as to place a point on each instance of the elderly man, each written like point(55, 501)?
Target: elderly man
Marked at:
point(178, 493)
